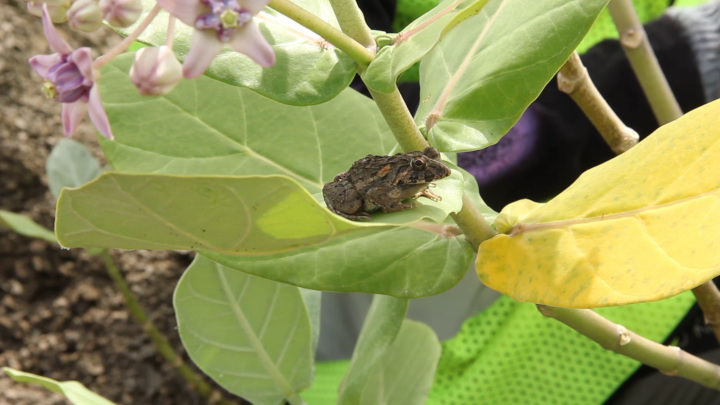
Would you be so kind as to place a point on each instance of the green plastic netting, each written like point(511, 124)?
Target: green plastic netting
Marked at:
point(511, 354)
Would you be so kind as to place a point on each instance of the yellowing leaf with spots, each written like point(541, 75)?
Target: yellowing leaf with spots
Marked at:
point(641, 227)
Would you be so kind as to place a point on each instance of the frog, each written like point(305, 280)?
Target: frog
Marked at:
point(381, 182)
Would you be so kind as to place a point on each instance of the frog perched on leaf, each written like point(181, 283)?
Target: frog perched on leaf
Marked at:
point(382, 183)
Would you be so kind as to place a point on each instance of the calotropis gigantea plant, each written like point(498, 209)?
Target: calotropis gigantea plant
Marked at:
point(231, 165)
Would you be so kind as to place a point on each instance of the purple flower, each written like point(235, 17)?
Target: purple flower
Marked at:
point(70, 79)
point(220, 22)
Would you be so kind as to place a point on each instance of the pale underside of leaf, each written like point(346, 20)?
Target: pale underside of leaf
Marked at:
point(250, 335)
point(641, 227)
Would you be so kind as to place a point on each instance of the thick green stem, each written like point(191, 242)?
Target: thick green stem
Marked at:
point(398, 117)
point(361, 55)
point(643, 61)
point(611, 336)
point(159, 340)
point(352, 22)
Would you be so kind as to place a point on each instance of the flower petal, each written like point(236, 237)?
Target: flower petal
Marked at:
point(72, 115)
point(56, 42)
point(253, 6)
point(41, 63)
point(205, 46)
point(97, 114)
point(83, 61)
point(186, 11)
point(250, 41)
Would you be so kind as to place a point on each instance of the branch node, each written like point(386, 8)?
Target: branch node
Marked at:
point(624, 336)
point(679, 354)
point(631, 38)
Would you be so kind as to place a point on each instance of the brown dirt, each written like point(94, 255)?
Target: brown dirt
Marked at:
point(60, 314)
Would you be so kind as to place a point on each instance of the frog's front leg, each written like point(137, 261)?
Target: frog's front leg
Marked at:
point(428, 194)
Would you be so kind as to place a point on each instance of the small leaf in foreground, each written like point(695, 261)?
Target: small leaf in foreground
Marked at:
point(405, 372)
point(642, 227)
point(251, 335)
point(70, 164)
point(72, 390)
point(381, 327)
point(25, 226)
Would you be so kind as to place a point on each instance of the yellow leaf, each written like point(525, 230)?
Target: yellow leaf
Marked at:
point(642, 227)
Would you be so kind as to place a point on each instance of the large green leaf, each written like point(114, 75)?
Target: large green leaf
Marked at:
point(415, 41)
point(405, 372)
point(25, 226)
point(382, 325)
point(403, 261)
point(236, 215)
point(207, 127)
point(72, 390)
point(267, 226)
point(252, 336)
point(641, 227)
point(307, 70)
point(478, 80)
point(70, 164)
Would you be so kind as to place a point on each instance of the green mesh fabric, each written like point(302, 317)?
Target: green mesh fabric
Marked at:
point(511, 354)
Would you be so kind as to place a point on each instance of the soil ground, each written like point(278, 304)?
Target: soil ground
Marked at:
point(60, 313)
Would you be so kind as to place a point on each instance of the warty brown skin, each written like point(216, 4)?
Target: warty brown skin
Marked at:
point(382, 183)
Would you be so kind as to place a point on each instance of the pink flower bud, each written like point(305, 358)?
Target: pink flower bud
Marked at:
point(121, 13)
point(84, 15)
point(56, 9)
point(156, 71)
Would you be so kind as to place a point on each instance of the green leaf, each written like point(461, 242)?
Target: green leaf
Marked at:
point(251, 335)
point(312, 301)
point(70, 164)
point(25, 226)
point(207, 127)
point(641, 227)
point(267, 226)
point(415, 41)
point(476, 83)
point(307, 70)
point(72, 390)
point(404, 262)
point(405, 372)
point(380, 328)
point(236, 215)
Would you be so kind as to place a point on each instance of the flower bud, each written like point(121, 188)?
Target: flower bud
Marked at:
point(84, 15)
point(156, 71)
point(121, 13)
point(56, 8)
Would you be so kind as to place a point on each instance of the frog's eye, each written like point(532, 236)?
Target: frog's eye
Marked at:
point(418, 163)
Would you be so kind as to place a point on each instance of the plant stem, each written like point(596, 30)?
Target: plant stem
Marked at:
point(574, 80)
point(159, 340)
point(361, 55)
point(708, 297)
point(352, 22)
point(398, 117)
point(670, 360)
point(127, 41)
point(643, 61)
